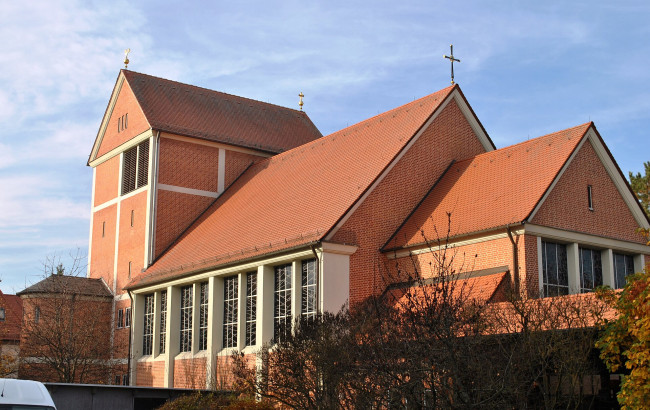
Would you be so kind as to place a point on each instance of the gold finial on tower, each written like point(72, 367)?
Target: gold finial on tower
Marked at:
point(300, 103)
point(126, 57)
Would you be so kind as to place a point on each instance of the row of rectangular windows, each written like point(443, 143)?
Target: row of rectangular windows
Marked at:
point(281, 307)
point(556, 274)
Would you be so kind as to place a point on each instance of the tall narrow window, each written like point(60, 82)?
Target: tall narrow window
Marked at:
point(135, 167)
point(103, 229)
point(282, 302)
point(623, 266)
point(554, 269)
point(147, 333)
point(591, 270)
point(230, 294)
point(309, 288)
point(130, 265)
point(251, 308)
point(120, 318)
point(127, 317)
point(163, 320)
point(203, 317)
point(132, 217)
point(590, 201)
point(37, 314)
point(186, 318)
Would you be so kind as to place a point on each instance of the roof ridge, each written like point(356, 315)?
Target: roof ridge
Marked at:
point(521, 143)
point(213, 91)
point(351, 128)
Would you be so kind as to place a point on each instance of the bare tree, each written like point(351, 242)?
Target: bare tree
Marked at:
point(67, 323)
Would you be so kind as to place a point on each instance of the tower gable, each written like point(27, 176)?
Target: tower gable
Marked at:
point(123, 121)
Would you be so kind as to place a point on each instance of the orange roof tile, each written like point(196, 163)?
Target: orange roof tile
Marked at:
point(212, 115)
point(477, 288)
point(489, 190)
point(293, 198)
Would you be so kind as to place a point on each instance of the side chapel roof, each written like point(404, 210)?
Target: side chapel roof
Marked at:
point(294, 198)
point(489, 190)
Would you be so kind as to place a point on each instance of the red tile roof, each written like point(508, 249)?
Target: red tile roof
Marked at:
point(10, 327)
point(490, 190)
point(293, 198)
point(481, 288)
point(198, 112)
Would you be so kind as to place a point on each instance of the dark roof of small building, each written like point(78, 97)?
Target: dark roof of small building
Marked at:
point(59, 284)
point(192, 111)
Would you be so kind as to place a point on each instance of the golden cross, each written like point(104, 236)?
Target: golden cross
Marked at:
point(300, 103)
point(452, 59)
point(126, 57)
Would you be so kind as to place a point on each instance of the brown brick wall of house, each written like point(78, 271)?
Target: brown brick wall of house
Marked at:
point(137, 123)
point(449, 137)
point(567, 208)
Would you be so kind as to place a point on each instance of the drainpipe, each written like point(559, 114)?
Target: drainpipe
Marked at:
point(515, 261)
point(313, 249)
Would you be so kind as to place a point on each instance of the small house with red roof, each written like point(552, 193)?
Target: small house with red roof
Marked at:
point(218, 219)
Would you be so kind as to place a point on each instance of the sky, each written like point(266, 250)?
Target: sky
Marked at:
point(527, 69)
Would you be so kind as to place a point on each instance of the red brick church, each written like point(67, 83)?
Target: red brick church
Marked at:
point(216, 218)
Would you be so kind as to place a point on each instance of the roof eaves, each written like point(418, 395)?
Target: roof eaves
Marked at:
point(143, 283)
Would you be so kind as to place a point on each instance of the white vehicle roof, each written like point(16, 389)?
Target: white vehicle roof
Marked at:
point(25, 393)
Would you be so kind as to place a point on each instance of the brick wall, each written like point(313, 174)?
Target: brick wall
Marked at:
point(236, 163)
point(150, 373)
point(566, 207)
point(190, 373)
point(107, 180)
point(137, 123)
point(188, 165)
point(131, 245)
point(448, 137)
point(102, 257)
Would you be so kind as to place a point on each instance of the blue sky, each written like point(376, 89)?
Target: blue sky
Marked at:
point(527, 69)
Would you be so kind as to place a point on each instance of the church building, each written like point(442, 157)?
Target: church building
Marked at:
point(217, 219)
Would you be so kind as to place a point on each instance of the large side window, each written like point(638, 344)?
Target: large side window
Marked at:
point(251, 308)
point(135, 167)
point(230, 314)
point(591, 270)
point(163, 320)
point(623, 266)
point(203, 317)
point(282, 301)
point(309, 279)
point(186, 318)
point(554, 269)
point(147, 336)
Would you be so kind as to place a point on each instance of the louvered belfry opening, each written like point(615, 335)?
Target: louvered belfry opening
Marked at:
point(135, 167)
